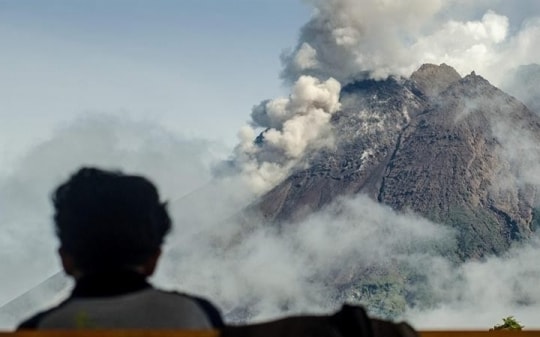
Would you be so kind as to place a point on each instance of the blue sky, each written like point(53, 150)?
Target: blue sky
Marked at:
point(194, 66)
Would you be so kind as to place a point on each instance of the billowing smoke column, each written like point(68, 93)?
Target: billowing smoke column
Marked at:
point(353, 39)
point(292, 126)
point(349, 40)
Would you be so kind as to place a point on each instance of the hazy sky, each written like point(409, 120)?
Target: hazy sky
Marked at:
point(194, 66)
point(97, 81)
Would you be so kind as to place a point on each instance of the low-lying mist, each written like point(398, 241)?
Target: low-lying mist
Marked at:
point(252, 270)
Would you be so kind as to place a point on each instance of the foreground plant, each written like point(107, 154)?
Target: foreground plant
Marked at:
point(509, 323)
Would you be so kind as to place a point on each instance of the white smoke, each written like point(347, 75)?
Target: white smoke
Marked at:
point(271, 273)
point(265, 273)
point(350, 40)
point(478, 294)
point(523, 153)
point(292, 126)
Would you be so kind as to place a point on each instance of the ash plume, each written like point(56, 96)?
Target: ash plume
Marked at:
point(292, 126)
point(351, 40)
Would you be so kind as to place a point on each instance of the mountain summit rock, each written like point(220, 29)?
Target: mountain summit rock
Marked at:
point(436, 144)
point(432, 79)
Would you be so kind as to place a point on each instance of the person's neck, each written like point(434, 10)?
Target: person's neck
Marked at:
point(104, 283)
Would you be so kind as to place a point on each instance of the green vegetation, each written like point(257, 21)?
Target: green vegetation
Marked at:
point(478, 230)
point(509, 323)
point(383, 299)
point(387, 291)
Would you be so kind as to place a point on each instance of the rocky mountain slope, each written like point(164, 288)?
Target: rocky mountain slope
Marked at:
point(436, 144)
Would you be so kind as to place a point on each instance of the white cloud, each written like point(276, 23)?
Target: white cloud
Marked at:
point(479, 294)
point(353, 40)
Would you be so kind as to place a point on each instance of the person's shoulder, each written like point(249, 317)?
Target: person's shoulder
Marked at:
point(210, 310)
point(33, 321)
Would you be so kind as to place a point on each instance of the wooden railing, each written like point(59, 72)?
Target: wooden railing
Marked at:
point(499, 333)
point(212, 333)
point(112, 333)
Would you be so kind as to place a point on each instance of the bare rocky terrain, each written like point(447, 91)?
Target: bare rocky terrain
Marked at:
point(436, 144)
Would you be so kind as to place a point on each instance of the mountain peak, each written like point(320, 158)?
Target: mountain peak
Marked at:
point(432, 79)
point(444, 147)
point(430, 156)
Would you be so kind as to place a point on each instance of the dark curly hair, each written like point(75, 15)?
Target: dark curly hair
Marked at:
point(108, 220)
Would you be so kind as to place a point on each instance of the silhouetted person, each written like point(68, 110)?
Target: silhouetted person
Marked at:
point(111, 228)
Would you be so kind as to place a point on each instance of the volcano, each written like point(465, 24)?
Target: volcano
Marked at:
point(436, 144)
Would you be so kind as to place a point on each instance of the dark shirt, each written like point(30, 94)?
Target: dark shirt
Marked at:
point(125, 300)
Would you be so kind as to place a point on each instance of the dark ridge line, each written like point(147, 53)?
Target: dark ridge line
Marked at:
point(389, 164)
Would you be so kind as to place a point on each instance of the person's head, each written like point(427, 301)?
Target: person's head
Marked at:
point(108, 220)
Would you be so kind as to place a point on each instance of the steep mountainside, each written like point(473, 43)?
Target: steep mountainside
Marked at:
point(434, 144)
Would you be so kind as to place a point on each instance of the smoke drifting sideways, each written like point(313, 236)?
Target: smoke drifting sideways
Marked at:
point(265, 273)
point(350, 40)
point(479, 294)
